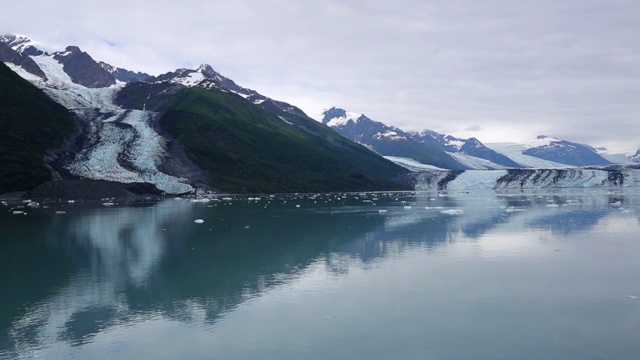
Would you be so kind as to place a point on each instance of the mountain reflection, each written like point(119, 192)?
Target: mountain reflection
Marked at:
point(142, 260)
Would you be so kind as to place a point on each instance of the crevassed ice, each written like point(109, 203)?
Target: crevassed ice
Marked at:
point(116, 136)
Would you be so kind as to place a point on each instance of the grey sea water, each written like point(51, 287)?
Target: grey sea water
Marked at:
point(480, 275)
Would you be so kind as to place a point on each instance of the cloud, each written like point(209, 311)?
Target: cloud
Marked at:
point(474, 128)
point(563, 67)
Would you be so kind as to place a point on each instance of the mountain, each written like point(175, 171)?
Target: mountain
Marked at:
point(427, 147)
point(251, 143)
point(82, 69)
point(387, 140)
point(472, 147)
point(195, 128)
point(564, 152)
point(11, 56)
point(123, 75)
point(31, 124)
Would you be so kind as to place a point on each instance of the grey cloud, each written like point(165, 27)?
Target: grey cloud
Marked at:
point(567, 68)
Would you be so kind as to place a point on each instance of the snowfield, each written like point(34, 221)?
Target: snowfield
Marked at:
point(514, 152)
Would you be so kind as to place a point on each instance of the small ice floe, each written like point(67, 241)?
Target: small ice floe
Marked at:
point(227, 199)
point(71, 201)
point(452, 212)
point(108, 204)
point(407, 207)
point(246, 227)
point(297, 206)
point(202, 200)
point(18, 212)
point(381, 211)
point(616, 204)
point(198, 221)
point(552, 205)
point(61, 212)
point(33, 204)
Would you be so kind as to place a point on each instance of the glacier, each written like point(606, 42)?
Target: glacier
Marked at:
point(121, 145)
point(521, 179)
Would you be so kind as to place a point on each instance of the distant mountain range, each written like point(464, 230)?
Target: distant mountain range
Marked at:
point(448, 152)
point(195, 128)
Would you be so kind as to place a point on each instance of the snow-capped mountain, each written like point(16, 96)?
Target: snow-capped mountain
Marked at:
point(123, 75)
point(120, 138)
point(388, 140)
point(564, 152)
point(406, 146)
point(468, 151)
point(543, 152)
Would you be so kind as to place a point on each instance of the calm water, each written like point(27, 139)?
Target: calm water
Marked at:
point(460, 276)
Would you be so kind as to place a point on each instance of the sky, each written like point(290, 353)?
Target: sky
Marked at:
point(497, 70)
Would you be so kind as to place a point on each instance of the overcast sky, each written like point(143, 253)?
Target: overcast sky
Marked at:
point(499, 70)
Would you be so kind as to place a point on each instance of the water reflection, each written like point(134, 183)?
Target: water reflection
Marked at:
point(104, 267)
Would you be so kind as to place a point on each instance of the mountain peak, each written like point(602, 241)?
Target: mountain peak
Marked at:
point(332, 113)
point(339, 117)
point(21, 44)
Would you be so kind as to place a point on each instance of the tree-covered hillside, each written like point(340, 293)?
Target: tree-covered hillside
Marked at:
point(30, 123)
point(249, 149)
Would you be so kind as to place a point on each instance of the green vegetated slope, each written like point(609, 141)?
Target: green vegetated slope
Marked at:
point(249, 149)
point(30, 123)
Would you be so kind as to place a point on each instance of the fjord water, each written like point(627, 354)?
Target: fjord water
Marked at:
point(455, 276)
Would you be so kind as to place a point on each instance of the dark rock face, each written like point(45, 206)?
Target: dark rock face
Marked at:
point(8, 55)
point(83, 70)
point(123, 74)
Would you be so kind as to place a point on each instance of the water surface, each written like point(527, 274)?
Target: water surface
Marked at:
point(433, 276)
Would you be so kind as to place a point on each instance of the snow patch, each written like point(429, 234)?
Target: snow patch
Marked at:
point(343, 120)
point(411, 164)
point(475, 162)
point(390, 134)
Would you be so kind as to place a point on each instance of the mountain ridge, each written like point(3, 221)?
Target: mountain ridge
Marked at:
point(129, 122)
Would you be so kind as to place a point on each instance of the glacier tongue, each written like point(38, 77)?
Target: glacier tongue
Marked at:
point(520, 179)
point(121, 145)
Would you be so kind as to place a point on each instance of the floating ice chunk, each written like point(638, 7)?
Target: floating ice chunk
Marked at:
point(452, 212)
point(71, 201)
point(17, 212)
point(108, 204)
point(203, 200)
point(616, 204)
point(61, 212)
point(198, 221)
point(297, 206)
point(381, 211)
point(552, 205)
point(407, 207)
